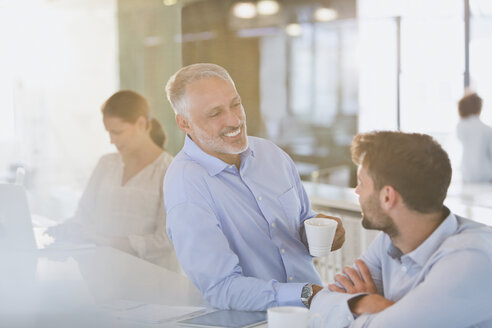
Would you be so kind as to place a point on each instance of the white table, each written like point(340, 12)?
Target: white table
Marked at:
point(54, 288)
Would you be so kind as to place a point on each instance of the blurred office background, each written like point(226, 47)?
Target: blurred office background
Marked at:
point(311, 74)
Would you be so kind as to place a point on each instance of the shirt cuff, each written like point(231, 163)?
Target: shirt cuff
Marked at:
point(333, 308)
point(288, 293)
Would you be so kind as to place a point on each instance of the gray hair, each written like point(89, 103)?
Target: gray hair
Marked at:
point(176, 86)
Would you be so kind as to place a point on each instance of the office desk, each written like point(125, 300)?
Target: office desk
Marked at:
point(53, 288)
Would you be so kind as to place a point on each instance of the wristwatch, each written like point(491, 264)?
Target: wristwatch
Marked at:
point(306, 294)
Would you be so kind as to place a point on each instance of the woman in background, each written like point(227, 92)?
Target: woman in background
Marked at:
point(122, 205)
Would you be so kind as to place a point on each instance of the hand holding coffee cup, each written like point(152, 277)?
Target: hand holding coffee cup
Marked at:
point(339, 238)
point(320, 234)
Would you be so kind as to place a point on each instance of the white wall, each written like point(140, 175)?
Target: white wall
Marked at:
point(62, 63)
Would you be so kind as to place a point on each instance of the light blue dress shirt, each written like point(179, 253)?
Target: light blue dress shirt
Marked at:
point(239, 234)
point(445, 282)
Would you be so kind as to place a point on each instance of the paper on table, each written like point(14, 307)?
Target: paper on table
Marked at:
point(151, 313)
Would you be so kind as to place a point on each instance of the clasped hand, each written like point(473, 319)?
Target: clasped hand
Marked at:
point(353, 283)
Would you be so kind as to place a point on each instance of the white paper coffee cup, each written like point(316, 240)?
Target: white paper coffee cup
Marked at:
point(320, 233)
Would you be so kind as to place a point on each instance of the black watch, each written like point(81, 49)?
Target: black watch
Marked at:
point(306, 294)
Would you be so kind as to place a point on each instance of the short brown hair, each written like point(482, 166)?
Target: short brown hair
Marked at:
point(470, 104)
point(412, 163)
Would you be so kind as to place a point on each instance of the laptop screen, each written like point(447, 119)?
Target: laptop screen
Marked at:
point(16, 230)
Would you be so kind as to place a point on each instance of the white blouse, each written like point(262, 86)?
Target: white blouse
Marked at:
point(134, 210)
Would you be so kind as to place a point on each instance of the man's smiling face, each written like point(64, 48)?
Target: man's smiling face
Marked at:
point(216, 120)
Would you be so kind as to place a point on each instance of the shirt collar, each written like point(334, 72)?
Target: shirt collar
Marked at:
point(212, 164)
point(421, 254)
point(248, 152)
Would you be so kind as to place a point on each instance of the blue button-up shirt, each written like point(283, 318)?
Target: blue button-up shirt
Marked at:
point(239, 234)
point(445, 282)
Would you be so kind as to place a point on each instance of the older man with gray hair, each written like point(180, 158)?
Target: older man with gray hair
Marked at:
point(235, 204)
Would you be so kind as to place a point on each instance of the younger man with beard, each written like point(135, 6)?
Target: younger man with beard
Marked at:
point(429, 267)
point(235, 204)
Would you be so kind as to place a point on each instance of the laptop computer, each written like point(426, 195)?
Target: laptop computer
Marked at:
point(16, 229)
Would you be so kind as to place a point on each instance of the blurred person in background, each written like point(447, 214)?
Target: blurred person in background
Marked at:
point(476, 140)
point(122, 205)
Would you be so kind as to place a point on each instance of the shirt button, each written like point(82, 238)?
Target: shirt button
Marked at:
point(259, 198)
point(273, 225)
point(290, 278)
point(404, 268)
point(282, 250)
point(231, 166)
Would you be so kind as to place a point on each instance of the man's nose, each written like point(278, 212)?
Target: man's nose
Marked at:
point(233, 118)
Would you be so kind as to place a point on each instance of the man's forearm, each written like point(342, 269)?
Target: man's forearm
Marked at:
point(370, 304)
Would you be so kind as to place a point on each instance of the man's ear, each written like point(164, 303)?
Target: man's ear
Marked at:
point(388, 197)
point(183, 123)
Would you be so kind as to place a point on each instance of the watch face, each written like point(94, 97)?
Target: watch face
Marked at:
point(307, 291)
